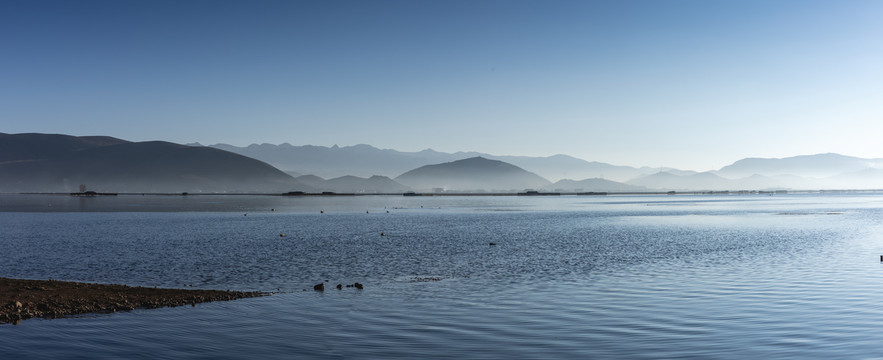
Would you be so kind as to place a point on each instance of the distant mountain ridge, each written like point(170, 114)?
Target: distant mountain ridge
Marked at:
point(332, 162)
point(814, 166)
point(820, 171)
point(804, 172)
point(365, 160)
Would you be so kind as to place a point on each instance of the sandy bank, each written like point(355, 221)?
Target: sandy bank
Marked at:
point(24, 299)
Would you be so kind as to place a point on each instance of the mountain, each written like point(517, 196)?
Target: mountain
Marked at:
point(472, 174)
point(593, 185)
point(60, 163)
point(805, 172)
point(354, 184)
point(366, 160)
point(814, 166)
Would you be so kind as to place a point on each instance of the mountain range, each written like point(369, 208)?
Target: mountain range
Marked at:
point(59, 163)
point(365, 160)
point(819, 171)
point(811, 166)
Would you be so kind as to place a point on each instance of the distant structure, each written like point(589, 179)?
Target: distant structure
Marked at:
point(82, 188)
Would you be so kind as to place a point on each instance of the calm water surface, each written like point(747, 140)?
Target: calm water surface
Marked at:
point(730, 276)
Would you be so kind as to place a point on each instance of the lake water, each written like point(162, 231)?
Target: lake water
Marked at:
point(685, 276)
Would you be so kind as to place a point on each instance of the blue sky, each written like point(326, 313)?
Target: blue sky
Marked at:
point(688, 84)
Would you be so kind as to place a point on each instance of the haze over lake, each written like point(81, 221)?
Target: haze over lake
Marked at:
point(727, 276)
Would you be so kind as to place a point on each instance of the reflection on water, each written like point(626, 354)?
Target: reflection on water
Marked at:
point(569, 277)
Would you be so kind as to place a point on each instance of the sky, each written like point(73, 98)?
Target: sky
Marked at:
point(694, 85)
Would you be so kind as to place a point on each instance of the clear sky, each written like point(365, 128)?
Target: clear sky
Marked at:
point(688, 84)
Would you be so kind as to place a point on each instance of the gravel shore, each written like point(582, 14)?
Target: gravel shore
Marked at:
point(24, 299)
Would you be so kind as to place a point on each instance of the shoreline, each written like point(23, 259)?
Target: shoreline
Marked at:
point(296, 194)
point(50, 299)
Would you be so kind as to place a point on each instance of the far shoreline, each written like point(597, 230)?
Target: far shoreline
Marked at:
point(469, 194)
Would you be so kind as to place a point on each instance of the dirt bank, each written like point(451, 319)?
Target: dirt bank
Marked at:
point(24, 299)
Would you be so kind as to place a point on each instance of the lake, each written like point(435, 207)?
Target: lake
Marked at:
point(683, 276)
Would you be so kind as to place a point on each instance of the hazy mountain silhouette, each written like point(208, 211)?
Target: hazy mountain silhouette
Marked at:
point(567, 167)
point(472, 174)
point(59, 163)
point(330, 162)
point(354, 184)
point(593, 185)
point(366, 160)
point(814, 166)
point(866, 179)
point(709, 181)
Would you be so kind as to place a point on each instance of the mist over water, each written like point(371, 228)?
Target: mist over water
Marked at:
point(790, 276)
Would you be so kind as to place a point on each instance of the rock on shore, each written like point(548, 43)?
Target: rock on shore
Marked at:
point(24, 299)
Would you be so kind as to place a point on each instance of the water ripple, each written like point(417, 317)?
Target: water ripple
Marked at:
point(718, 277)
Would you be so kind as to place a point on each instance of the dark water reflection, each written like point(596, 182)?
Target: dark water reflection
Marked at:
point(569, 277)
